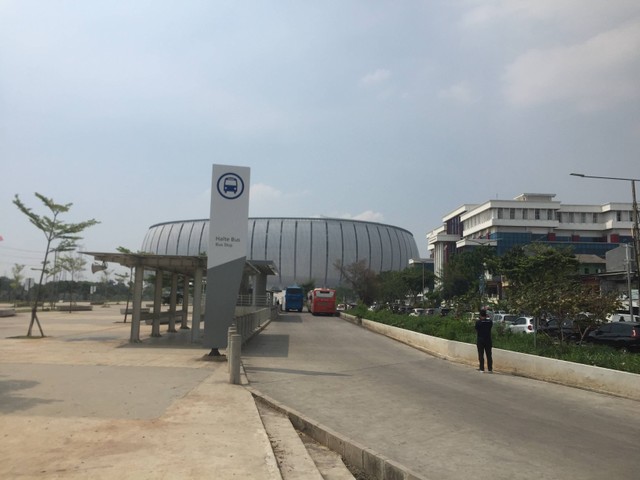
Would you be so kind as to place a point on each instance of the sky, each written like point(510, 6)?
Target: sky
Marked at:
point(386, 111)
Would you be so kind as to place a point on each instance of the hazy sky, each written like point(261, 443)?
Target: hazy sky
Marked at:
point(394, 112)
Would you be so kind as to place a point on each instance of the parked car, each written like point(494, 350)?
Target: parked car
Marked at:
point(625, 335)
point(418, 312)
point(522, 325)
point(401, 309)
point(565, 329)
point(506, 318)
point(345, 306)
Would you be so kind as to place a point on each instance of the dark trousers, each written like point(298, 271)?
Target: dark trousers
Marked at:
point(485, 348)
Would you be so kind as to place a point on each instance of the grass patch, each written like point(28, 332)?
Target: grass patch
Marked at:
point(453, 328)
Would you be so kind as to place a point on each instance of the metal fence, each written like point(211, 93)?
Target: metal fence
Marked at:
point(249, 324)
point(254, 300)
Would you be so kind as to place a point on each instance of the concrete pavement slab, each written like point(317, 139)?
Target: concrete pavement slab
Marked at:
point(83, 402)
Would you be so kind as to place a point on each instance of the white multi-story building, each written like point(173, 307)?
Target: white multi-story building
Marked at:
point(531, 217)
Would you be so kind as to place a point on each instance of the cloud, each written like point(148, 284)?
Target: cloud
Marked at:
point(368, 216)
point(571, 15)
point(458, 93)
point(268, 201)
point(265, 193)
point(378, 77)
point(595, 74)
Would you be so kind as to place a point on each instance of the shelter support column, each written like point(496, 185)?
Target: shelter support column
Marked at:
point(172, 303)
point(185, 303)
point(157, 304)
point(197, 306)
point(137, 304)
point(260, 288)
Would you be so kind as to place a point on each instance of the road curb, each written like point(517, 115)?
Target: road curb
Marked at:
point(372, 463)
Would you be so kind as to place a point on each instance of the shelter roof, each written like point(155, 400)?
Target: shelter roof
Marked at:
point(181, 264)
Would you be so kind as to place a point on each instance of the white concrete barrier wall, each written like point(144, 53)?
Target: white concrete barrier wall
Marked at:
point(588, 377)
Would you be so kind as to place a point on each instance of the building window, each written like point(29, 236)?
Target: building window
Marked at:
point(571, 219)
point(524, 213)
point(559, 217)
point(537, 213)
point(595, 218)
point(583, 217)
point(512, 213)
point(453, 226)
point(619, 216)
point(500, 214)
point(549, 214)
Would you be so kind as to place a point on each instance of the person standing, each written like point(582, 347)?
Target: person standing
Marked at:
point(483, 340)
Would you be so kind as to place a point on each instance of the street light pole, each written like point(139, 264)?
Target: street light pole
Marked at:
point(635, 228)
point(628, 268)
point(413, 261)
point(422, 285)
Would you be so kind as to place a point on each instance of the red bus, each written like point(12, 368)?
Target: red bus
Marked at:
point(322, 301)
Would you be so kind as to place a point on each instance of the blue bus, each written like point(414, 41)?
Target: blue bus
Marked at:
point(293, 298)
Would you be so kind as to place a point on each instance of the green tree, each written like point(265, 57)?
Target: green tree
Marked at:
point(60, 237)
point(544, 282)
point(308, 285)
point(129, 277)
point(392, 287)
point(396, 285)
point(18, 278)
point(74, 265)
point(416, 279)
point(105, 274)
point(464, 272)
point(362, 279)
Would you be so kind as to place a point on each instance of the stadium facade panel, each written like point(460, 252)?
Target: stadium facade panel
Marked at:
point(302, 249)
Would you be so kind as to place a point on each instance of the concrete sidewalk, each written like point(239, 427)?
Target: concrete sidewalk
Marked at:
point(83, 402)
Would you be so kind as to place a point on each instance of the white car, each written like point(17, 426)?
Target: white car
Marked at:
point(505, 318)
point(418, 312)
point(522, 325)
point(622, 317)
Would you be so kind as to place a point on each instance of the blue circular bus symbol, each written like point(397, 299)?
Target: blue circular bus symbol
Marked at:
point(230, 186)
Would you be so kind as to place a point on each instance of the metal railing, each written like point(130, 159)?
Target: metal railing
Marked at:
point(249, 324)
point(254, 300)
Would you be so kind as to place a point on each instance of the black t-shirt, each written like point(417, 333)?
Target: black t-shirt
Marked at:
point(483, 327)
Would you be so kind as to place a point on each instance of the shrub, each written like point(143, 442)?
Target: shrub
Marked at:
point(455, 328)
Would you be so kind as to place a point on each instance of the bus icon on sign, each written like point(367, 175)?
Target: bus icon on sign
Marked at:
point(230, 185)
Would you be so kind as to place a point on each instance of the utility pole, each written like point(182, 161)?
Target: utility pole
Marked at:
point(635, 229)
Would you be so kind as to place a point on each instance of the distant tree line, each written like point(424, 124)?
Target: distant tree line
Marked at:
point(63, 290)
point(538, 280)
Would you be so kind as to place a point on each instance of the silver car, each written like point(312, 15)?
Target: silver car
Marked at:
point(523, 325)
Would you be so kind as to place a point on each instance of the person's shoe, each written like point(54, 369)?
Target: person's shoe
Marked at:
point(490, 371)
point(480, 370)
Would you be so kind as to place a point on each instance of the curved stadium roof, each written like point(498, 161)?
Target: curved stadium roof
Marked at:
point(302, 249)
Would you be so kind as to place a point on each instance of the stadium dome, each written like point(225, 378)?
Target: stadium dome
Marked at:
point(302, 249)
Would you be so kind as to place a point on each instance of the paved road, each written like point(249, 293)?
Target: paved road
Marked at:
point(441, 419)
